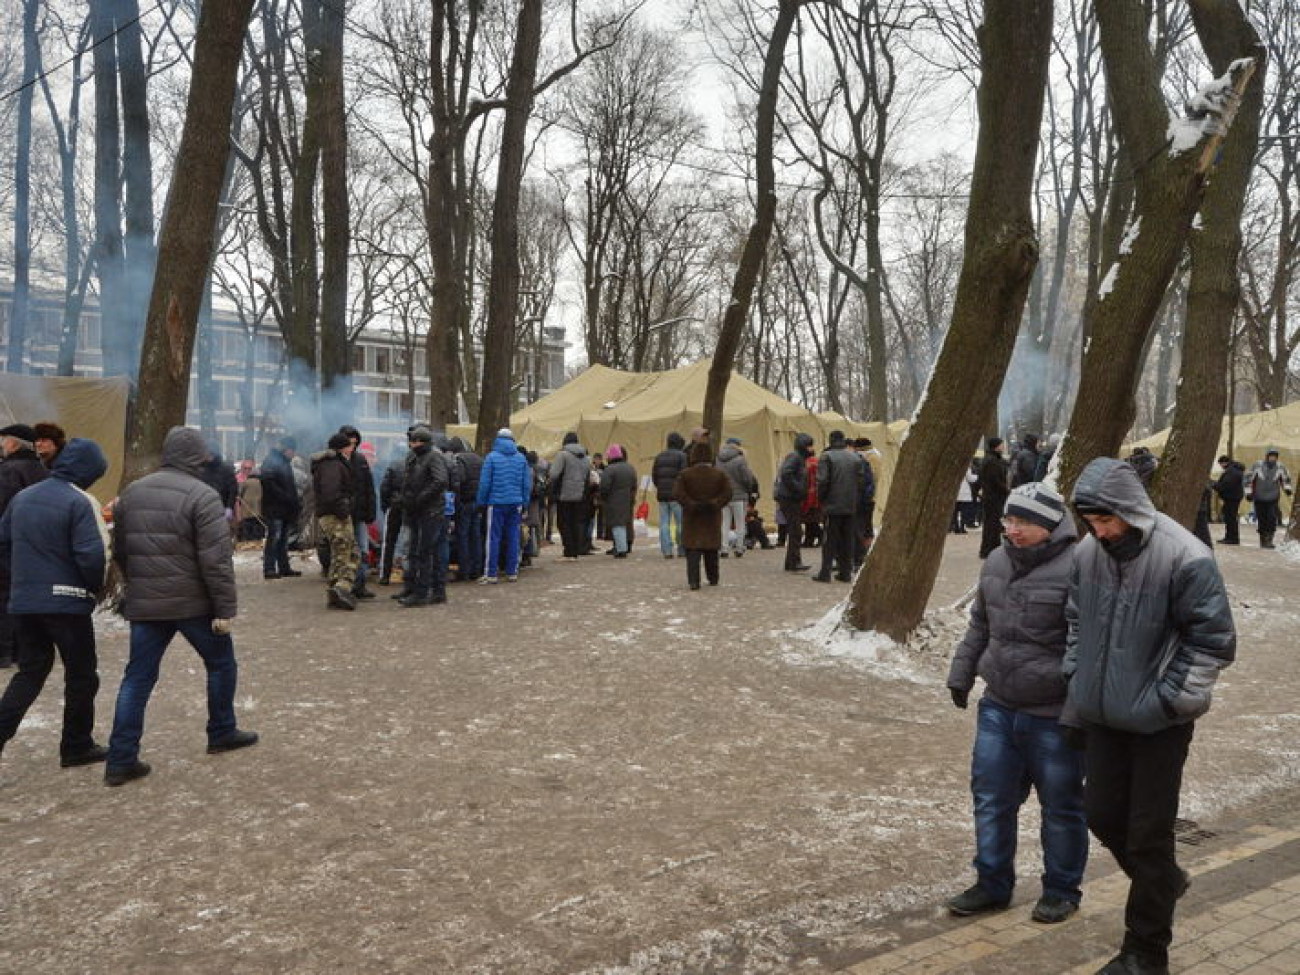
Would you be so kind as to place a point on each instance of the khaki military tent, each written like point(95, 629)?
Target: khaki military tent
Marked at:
point(639, 410)
point(91, 408)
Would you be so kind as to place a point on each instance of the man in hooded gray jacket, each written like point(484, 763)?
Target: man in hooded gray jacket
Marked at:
point(1149, 629)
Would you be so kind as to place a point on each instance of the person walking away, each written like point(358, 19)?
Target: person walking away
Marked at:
point(20, 467)
point(789, 492)
point(1016, 641)
point(220, 476)
point(333, 485)
point(54, 550)
point(1264, 485)
point(732, 462)
point(424, 485)
point(703, 490)
point(1149, 628)
point(1230, 487)
point(669, 463)
point(280, 509)
point(1024, 463)
point(171, 543)
point(364, 509)
point(570, 473)
point(840, 481)
point(390, 504)
point(863, 530)
point(503, 489)
point(469, 519)
point(618, 498)
point(993, 495)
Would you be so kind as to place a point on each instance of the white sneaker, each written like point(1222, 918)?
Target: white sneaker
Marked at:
point(512, 578)
point(488, 581)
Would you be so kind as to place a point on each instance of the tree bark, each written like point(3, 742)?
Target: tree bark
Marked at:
point(18, 310)
point(503, 284)
point(188, 234)
point(1168, 186)
point(1001, 253)
point(751, 258)
point(1214, 289)
point(336, 364)
point(302, 318)
point(116, 339)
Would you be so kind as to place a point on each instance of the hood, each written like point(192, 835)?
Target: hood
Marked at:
point(728, 452)
point(577, 449)
point(184, 450)
point(505, 446)
point(1031, 441)
point(803, 442)
point(1113, 485)
point(676, 441)
point(81, 462)
point(458, 446)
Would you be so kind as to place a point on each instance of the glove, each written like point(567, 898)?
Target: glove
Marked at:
point(230, 514)
point(959, 697)
point(1075, 738)
point(222, 627)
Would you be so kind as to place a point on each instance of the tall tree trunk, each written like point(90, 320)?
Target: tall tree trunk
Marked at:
point(301, 340)
point(18, 310)
point(1214, 289)
point(335, 361)
point(751, 258)
point(1168, 182)
point(503, 283)
point(187, 240)
point(1001, 253)
point(139, 252)
point(116, 337)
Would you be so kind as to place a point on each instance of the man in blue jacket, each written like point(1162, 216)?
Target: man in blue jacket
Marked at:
point(504, 487)
point(56, 547)
point(1148, 630)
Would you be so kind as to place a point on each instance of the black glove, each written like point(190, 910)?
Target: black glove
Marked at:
point(959, 697)
point(1075, 738)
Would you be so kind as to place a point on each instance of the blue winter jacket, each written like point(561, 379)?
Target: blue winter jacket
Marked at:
point(506, 477)
point(53, 538)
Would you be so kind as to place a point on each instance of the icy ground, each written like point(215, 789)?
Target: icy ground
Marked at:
point(591, 771)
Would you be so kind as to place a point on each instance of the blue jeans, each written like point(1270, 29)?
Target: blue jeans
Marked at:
point(1014, 751)
point(670, 512)
point(149, 640)
point(620, 538)
point(275, 550)
point(363, 550)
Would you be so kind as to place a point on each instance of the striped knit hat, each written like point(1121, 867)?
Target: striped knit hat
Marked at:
point(1037, 503)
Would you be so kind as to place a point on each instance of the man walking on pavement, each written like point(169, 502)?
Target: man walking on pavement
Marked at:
point(1265, 483)
point(54, 545)
point(789, 492)
point(171, 541)
point(1148, 630)
point(993, 495)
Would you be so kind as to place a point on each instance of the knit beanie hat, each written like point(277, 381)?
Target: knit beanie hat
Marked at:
point(1037, 503)
point(338, 441)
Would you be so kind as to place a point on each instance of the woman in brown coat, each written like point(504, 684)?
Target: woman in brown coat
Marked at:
point(703, 490)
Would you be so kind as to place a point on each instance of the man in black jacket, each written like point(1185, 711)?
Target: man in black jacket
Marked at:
point(840, 483)
point(280, 509)
point(668, 463)
point(1230, 487)
point(424, 487)
point(364, 508)
point(333, 483)
point(993, 495)
point(789, 492)
point(21, 468)
point(467, 466)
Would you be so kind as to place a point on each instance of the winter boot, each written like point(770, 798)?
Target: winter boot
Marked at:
point(1266, 541)
point(975, 900)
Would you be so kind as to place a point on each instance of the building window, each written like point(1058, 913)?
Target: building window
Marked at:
point(383, 361)
point(358, 358)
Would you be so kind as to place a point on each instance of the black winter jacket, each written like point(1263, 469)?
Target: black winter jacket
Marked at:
point(792, 476)
point(840, 480)
point(425, 482)
point(333, 484)
point(171, 539)
point(469, 466)
point(1231, 483)
point(20, 469)
point(993, 483)
point(364, 507)
point(279, 492)
point(1148, 631)
point(668, 463)
point(390, 485)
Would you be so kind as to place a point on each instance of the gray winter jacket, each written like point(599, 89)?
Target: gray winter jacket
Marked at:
point(743, 481)
point(1016, 636)
point(171, 539)
point(1266, 481)
point(840, 479)
point(1149, 631)
point(570, 471)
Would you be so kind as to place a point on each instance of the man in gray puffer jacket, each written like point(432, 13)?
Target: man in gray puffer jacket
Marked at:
point(1015, 641)
point(1149, 630)
point(171, 541)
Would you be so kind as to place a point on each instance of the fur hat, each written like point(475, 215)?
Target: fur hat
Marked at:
point(1037, 503)
point(338, 441)
point(21, 431)
point(50, 431)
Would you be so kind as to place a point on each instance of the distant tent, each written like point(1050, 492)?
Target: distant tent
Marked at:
point(640, 409)
point(91, 408)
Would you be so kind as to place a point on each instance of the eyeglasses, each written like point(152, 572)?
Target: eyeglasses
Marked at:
point(1014, 524)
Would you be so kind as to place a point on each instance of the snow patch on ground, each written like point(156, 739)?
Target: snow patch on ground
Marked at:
point(923, 659)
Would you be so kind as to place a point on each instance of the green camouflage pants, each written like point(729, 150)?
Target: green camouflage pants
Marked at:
point(344, 557)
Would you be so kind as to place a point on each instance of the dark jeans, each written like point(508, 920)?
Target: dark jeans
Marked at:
point(36, 639)
point(8, 632)
point(469, 540)
point(1232, 522)
point(275, 550)
point(425, 572)
point(572, 516)
point(992, 529)
point(1131, 798)
point(837, 547)
point(1013, 752)
point(149, 641)
point(794, 522)
point(710, 556)
point(392, 532)
point(1267, 513)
